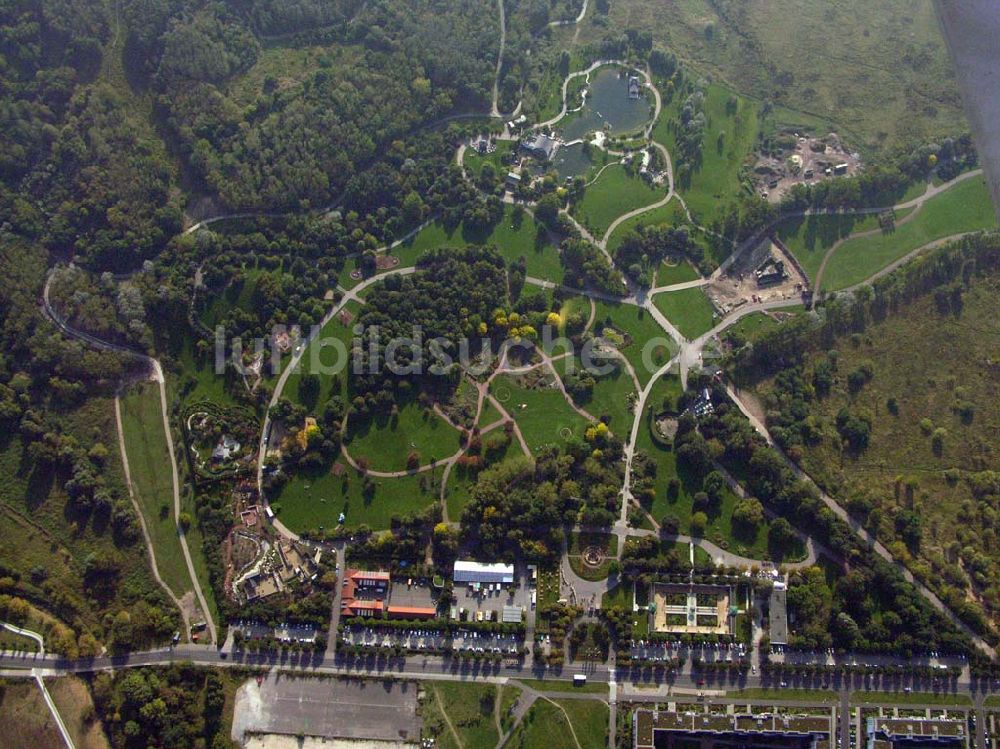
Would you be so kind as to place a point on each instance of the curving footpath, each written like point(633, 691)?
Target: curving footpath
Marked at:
point(26, 633)
point(157, 370)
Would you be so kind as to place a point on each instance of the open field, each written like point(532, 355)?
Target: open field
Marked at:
point(149, 465)
point(461, 715)
point(557, 685)
point(44, 531)
point(387, 441)
point(640, 328)
point(613, 194)
point(805, 695)
point(516, 235)
point(682, 272)
point(329, 353)
point(809, 238)
point(714, 182)
point(27, 722)
point(908, 698)
point(965, 207)
point(543, 416)
point(800, 53)
point(688, 309)
point(610, 395)
point(314, 499)
point(72, 698)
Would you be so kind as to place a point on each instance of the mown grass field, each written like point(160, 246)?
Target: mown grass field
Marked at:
point(563, 723)
point(712, 184)
point(543, 416)
point(329, 357)
point(613, 194)
point(610, 396)
point(387, 441)
point(809, 238)
point(516, 235)
point(962, 208)
point(314, 499)
point(644, 335)
point(681, 272)
point(149, 465)
point(561, 685)
point(688, 309)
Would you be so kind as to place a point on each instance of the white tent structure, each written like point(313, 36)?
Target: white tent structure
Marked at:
point(474, 572)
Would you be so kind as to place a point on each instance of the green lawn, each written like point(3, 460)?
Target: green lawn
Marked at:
point(672, 214)
point(802, 695)
point(756, 324)
point(667, 275)
point(962, 208)
point(716, 181)
point(610, 396)
point(315, 499)
point(911, 698)
point(517, 234)
point(542, 415)
point(149, 465)
point(474, 161)
point(643, 333)
point(561, 685)
point(469, 709)
point(688, 309)
point(387, 441)
point(329, 357)
point(613, 194)
point(589, 719)
point(810, 237)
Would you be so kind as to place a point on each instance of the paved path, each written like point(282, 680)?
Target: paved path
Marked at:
point(54, 710)
point(157, 371)
point(26, 633)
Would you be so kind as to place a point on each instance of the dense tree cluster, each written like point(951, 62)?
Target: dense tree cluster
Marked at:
point(520, 506)
point(162, 708)
point(300, 145)
point(644, 248)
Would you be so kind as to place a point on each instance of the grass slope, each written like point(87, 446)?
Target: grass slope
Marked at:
point(387, 442)
point(963, 208)
point(613, 194)
point(542, 415)
point(149, 465)
point(688, 309)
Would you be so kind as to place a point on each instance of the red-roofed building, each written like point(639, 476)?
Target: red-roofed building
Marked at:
point(411, 612)
point(364, 593)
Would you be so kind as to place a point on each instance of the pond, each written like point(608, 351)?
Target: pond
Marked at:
point(571, 161)
point(608, 104)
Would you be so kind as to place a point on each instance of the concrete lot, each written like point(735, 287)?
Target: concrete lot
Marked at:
point(332, 708)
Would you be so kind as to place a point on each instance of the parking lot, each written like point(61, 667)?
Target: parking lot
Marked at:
point(333, 708)
point(664, 651)
point(491, 599)
point(417, 640)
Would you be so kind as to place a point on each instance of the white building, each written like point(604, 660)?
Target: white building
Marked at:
point(474, 572)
